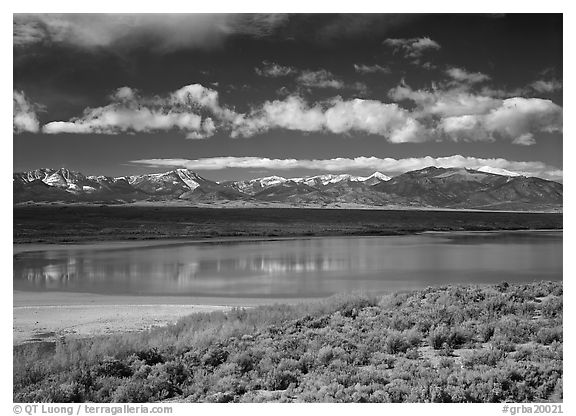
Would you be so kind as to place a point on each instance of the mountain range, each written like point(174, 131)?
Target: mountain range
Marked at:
point(431, 187)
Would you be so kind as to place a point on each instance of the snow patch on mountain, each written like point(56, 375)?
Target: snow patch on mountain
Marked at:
point(375, 175)
point(271, 180)
point(188, 177)
point(323, 179)
point(332, 178)
point(498, 171)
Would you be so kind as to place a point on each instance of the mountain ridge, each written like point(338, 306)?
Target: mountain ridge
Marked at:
point(430, 187)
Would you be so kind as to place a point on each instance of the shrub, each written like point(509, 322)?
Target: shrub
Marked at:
point(547, 336)
point(150, 357)
point(281, 379)
point(325, 355)
point(386, 360)
point(486, 331)
point(174, 372)
point(313, 352)
point(552, 307)
point(503, 343)
point(438, 337)
point(457, 337)
point(396, 343)
point(215, 356)
point(135, 391)
point(413, 337)
point(244, 361)
point(112, 367)
point(351, 305)
point(557, 290)
point(489, 357)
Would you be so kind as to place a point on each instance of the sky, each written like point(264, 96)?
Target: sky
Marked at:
point(238, 96)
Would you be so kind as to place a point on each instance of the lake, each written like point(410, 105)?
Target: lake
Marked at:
point(289, 268)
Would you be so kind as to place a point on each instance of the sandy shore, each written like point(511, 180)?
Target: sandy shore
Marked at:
point(51, 315)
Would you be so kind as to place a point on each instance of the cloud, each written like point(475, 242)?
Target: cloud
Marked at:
point(516, 118)
point(519, 116)
point(546, 86)
point(319, 79)
point(387, 165)
point(292, 113)
point(308, 78)
point(413, 47)
point(463, 115)
point(160, 32)
point(373, 117)
point(443, 112)
point(259, 25)
point(273, 70)
point(185, 109)
point(371, 69)
point(445, 102)
point(335, 116)
point(169, 32)
point(526, 139)
point(461, 75)
point(24, 114)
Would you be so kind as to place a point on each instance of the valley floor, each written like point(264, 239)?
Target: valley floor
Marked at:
point(85, 223)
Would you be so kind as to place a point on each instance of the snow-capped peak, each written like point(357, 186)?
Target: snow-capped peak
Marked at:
point(324, 179)
point(498, 171)
point(375, 175)
point(270, 180)
point(189, 178)
point(380, 176)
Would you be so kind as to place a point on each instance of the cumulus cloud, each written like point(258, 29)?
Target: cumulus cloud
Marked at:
point(24, 114)
point(412, 47)
point(130, 113)
point(273, 70)
point(461, 75)
point(292, 113)
point(516, 118)
point(463, 115)
point(374, 117)
point(446, 112)
point(387, 165)
point(445, 102)
point(336, 116)
point(371, 69)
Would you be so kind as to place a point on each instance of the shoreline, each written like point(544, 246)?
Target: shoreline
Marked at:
point(26, 247)
point(49, 316)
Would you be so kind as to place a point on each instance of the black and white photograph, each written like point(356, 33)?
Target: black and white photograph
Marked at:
point(287, 208)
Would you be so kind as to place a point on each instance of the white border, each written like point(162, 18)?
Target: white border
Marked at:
point(415, 6)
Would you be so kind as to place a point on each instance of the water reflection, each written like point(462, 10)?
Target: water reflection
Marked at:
point(313, 267)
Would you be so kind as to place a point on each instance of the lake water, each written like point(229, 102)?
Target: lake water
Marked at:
point(310, 267)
